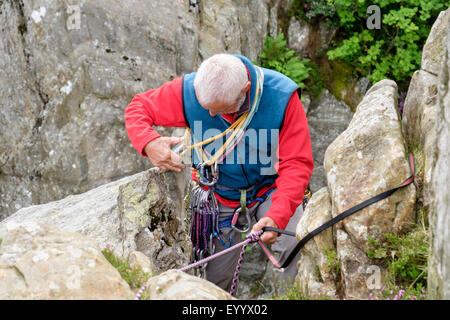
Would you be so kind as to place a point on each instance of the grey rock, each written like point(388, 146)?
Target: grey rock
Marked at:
point(364, 160)
point(132, 214)
point(327, 118)
point(64, 87)
point(177, 285)
point(433, 50)
point(439, 261)
point(40, 261)
point(298, 35)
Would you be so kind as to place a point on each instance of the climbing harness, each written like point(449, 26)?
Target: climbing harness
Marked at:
point(255, 237)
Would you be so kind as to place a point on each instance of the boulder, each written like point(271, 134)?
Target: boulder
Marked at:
point(177, 285)
point(419, 126)
point(366, 159)
point(420, 110)
point(135, 213)
point(439, 260)
point(327, 118)
point(316, 274)
point(433, 50)
point(40, 261)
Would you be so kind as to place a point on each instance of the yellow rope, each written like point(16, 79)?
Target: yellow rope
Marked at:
point(234, 128)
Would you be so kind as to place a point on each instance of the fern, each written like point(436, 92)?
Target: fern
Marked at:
point(277, 56)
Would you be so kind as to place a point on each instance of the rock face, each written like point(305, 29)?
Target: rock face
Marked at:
point(327, 118)
point(315, 275)
point(425, 127)
point(177, 285)
point(434, 50)
point(366, 159)
point(421, 105)
point(68, 72)
point(39, 261)
point(439, 261)
point(134, 213)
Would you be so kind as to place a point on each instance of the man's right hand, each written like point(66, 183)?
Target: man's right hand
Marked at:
point(162, 156)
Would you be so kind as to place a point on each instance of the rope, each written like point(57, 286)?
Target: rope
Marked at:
point(251, 237)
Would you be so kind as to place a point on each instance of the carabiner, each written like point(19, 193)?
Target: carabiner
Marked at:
point(204, 178)
point(235, 219)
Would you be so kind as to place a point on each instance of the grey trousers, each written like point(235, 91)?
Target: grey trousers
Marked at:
point(220, 271)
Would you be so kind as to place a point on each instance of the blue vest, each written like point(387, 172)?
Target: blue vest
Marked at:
point(251, 163)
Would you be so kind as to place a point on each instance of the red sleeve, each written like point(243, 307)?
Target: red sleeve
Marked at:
point(295, 164)
point(160, 107)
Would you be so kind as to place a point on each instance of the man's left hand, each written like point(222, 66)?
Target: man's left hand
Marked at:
point(268, 237)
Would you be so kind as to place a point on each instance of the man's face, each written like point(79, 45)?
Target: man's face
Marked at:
point(219, 107)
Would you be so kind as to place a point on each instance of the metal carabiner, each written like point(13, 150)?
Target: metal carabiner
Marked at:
point(235, 219)
point(205, 181)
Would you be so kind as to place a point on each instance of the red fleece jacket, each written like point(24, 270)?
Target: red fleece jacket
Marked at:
point(163, 107)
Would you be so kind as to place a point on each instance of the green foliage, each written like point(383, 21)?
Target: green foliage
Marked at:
point(395, 50)
point(292, 291)
point(276, 56)
point(311, 9)
point(333, 264)
point(135, 277)
point(406, 260)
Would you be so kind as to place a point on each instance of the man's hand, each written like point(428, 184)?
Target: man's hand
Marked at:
point(161, 155)
point(268, 237)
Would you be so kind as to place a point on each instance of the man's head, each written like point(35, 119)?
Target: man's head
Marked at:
point(221, 83)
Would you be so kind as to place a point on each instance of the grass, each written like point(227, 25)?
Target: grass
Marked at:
point(405, 258)
point(292, 291)
point(135, 277)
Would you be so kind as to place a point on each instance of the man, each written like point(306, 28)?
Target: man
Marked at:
point(225, 88)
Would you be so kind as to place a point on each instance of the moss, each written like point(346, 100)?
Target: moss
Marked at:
point(340, 82)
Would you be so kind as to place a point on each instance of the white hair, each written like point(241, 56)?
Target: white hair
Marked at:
point(220, 78)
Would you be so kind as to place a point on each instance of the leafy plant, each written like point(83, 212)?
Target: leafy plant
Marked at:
point(395, 50)
point(333, 264)
point(135, 277)
point(277, 56)
point(406, 259)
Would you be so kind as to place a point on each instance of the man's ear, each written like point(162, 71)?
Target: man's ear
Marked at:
point(246, 87)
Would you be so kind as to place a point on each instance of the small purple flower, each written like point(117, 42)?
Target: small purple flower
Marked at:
point(392, 292)
point(423, 291)
point(107, 246)
point(396, 297)
point(400, 293)
point(371, 296)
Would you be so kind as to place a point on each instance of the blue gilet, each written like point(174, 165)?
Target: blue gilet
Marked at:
point(250, 165)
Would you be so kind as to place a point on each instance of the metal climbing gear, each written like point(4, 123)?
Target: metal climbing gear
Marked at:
point(207, 176)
